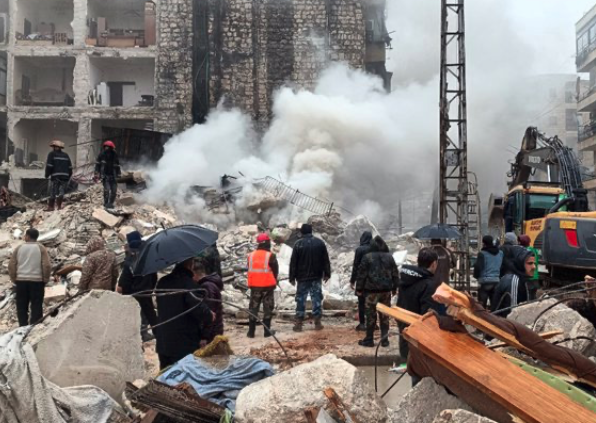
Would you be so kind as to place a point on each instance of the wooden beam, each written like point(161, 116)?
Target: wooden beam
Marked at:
point(544, 335)
point(339, 407)
point(399, 314)
point(523, 395)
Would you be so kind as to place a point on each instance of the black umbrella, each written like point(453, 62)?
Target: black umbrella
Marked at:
point(172, 246)
point(437, 231)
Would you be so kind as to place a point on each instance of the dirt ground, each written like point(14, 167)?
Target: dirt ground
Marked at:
point(339, 337)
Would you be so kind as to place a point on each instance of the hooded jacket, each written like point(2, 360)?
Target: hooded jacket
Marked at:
point(509, 247)
point(211, 260)
point(416, 289)
point(132, 284)
point(310, 260)
point(512, 289)
point(378, 271)
point(365, 240)
point(213, 285)
point(488, 265)
point(100, 270)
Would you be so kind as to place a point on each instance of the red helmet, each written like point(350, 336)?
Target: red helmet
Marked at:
point(263, 238)
point(109, 144)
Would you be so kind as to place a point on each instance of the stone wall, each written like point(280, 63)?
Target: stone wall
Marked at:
point(174, 71)
point(259, 45)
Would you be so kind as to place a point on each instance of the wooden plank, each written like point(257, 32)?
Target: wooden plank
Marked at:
point(339, 407)
point(544, 335)
point(501, 380)
point(399, 314)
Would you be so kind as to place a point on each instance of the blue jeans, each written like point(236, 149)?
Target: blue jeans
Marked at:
point(316, 296)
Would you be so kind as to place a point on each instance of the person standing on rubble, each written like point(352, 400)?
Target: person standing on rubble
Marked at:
point(361, 251)
point(100, 269)
point(513, 289)
point(181, 317)
point(309, 266)
point(213, 285)
point(59, 171)
point(29, 269)
point(263, 271)
point(377, 280)
point(446, 261)
point(487, 269)
point(129, 284)
point(107, 169)
point(416, 289)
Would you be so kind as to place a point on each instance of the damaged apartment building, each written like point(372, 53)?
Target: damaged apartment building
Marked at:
point(134, 71)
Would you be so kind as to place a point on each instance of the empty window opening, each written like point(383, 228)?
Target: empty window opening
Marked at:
point(46, 22)
point(121, 23)
point(122, 83)
point(44, 81)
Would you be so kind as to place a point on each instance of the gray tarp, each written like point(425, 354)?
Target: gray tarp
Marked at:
point(27, 397)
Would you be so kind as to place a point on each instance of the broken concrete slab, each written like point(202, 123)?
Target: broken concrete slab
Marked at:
point(460, 416)
point(88, 344)
point(285, 396)
point(50, 236)
point(425, 402)
point(356, 227)
point(561, 318)
point(127, 199)
point(106, 218)
point(55, 293)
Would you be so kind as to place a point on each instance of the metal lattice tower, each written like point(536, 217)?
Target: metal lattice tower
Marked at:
point(454, 134)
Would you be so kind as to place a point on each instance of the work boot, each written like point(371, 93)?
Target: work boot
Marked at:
point(51, 203)
point(318, 324)
point(59, 204)
point(252, 325)
point(267, 324)
point(385, 336)
point(361, 328)
point(369, 341)
point(297, 325)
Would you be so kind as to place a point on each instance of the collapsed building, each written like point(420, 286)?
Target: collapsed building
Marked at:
point(84, 71)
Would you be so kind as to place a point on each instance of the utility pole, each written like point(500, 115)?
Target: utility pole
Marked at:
point(454, 135)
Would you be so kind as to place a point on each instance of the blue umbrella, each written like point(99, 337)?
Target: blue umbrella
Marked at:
point(172, 246)
point(437, 231)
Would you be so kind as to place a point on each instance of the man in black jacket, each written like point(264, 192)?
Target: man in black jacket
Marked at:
point(59, 170)
point(513, 288)
point(309, 265)
point(128, 284)
point(361, 251)
point(416, 288)
point(377, 279)
point(107, 168)
point(180, 334)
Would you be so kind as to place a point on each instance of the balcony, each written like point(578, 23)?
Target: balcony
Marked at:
point(587, 101)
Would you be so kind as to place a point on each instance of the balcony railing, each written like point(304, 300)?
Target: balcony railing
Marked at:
point(581, 57)
point(587, 131)
point(587, 94)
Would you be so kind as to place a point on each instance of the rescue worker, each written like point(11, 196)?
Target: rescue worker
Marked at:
point(263, 271)
point(512, 289)
point(107, 169)
point(361, 251)
point(309, 266)
point(487, 269)
point(377, 280)
point(59, 171)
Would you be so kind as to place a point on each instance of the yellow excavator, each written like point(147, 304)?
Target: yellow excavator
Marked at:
point(546, 201)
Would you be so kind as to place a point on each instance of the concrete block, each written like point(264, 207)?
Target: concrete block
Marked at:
point(95, 340)
point(54, 293)
point(285, 396)
point(127, 199)
point(106, 218)
point(424, 402)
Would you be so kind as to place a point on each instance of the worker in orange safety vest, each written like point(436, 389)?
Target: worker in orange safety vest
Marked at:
point(263, 270)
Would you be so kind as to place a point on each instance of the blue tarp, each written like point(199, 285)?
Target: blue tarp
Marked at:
point(220, 386)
